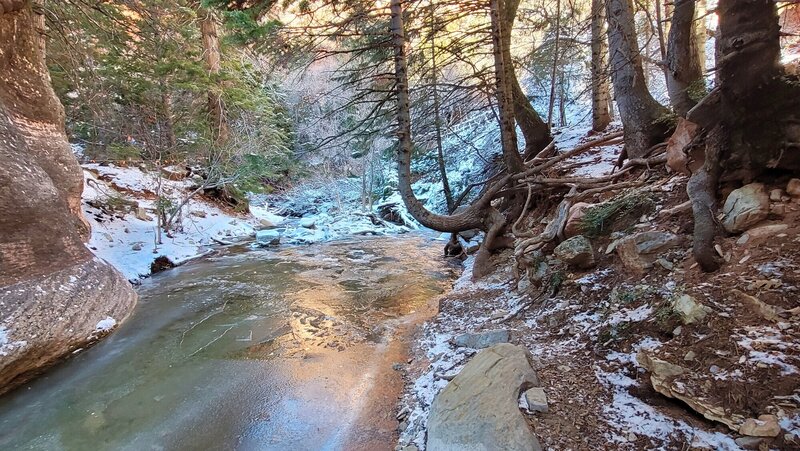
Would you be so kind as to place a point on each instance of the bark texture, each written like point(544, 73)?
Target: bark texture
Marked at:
point(534, 129)
point(212, 59)
point(601, 91)
point(685, 82)
point(752, 117)
point(643, 118)
point(53, 291)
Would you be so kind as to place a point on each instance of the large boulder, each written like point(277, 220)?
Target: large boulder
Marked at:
point(53, 292)
point(745, 207)
point(479, 409)
point(574, 226)
point(576, 251)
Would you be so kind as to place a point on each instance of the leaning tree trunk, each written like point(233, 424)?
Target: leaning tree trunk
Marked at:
point(53, 291)
point(534, 129)
point(685, 82)
point(220, 130)
point(472, 217)
point(643, 118)
point(751, 117)
point(601, 93)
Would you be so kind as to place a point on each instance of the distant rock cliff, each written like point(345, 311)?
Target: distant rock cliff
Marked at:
point(55, 296)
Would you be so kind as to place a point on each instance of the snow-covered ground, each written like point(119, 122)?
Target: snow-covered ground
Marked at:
point(120, 205)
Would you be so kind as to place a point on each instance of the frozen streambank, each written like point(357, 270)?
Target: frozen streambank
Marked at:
point(120, 204)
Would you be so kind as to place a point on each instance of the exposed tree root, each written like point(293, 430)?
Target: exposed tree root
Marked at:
point(496, 224)
point(702, 190)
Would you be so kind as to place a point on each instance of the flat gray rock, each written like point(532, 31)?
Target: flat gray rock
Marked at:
point(480, 340)
point(479, 409)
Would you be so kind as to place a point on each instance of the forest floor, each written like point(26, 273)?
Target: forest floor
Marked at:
point(741, 361)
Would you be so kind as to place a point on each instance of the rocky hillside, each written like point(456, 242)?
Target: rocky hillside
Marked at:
point(631, 345)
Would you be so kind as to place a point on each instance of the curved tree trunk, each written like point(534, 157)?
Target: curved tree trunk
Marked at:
point(684, 69)
point(642, 116)
point(534, 129)
point(473, 216)
point(53, 291)
point(601, 96)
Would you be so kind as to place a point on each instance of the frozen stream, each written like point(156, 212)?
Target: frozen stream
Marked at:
point(290, 348)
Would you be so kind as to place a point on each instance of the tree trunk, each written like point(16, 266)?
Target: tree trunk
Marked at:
point(684, 70)
point(643, 118)
point(472, 217)
point(220, 130)
point(750, 118)
point(601, 97)
point(534, 129)
point(448, 193)
point(503, 71)
point(552, 102)
point(169, 122)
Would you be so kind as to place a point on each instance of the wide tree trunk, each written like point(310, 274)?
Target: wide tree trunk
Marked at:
point(53, 291)
point(601, 92)
point(643, 118)
point(212, 59)
point(750, 118)
point(685, 82)
point(534, 129)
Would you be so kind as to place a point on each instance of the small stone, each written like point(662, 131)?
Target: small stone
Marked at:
point(639, 251)
point(689, 356)
point(666, 264)
point(689, 309)
point(267, 224)
point(749, 442)
point(777, 209)
point(198, 213)
point(793, 188)
point(480, 340)
point(308, 223)
point(537, 400)
point(632, 437)
point(136, 247)
point(677, 330)
point(776, 195)
point(764, 426)
point(576, 251)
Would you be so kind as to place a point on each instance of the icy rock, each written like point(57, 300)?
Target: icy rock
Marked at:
point(639, 251)
point(793, 188)
point(745, 207)
point(308, 223)
point(576, 251)
point(689, 309)
point(480, 340)
point(764, 426)
point(537, 400)
point(479, 408)
point(268, 237)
